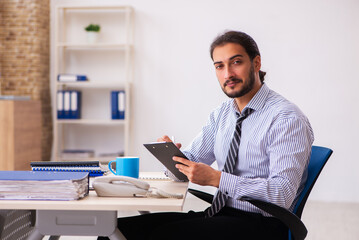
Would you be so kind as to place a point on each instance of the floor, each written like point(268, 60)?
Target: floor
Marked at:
point(330, 221)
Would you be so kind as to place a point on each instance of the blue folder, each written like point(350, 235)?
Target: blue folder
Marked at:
point(41, 176)
point(71, 78)
point(121, 105)
point(60, 105)
point(114, 104)
point(75, 104)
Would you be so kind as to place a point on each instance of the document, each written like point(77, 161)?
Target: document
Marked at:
point(38, 185)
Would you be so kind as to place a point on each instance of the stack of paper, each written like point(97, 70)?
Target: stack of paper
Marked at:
point(37, 185)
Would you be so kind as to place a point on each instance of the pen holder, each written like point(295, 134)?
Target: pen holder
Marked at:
point(125, 166)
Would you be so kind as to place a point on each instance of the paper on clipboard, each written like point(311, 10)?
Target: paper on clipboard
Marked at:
point(164, 152)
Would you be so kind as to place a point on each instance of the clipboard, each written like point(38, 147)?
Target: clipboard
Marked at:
point(164, 152)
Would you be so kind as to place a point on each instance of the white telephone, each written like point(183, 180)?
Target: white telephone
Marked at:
point(121, 186)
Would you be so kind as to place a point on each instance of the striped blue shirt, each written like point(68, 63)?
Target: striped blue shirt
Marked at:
point(273, 154)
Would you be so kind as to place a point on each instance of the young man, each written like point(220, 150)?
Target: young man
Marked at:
point(262, 144)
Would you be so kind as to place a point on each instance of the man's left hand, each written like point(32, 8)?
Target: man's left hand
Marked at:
point(198, 173)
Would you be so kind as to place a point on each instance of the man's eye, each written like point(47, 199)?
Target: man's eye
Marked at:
point(218, 66)
point(237, 62)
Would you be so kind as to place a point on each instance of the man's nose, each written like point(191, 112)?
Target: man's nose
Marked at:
point(228, 73)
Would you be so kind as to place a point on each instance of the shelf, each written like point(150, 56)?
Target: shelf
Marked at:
point(101, 46)
point(91, 8)
point(92, 121)
point(107, 63)
point(89, 84)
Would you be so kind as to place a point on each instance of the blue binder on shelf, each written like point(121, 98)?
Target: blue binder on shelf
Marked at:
point(71, 78)
point(121, 105)
point(60, 105)
point(68, 104)
point(118, 104)
point(75, 104)
point(114, 104)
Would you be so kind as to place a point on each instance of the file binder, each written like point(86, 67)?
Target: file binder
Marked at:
point(66, 95)
point(71, 78)
point(121, 104)
point(92, 167)
point(114, 104)
point(60, 105)
point(75, 102)
point(36, 185)
point(118, 104)
point(69, 104)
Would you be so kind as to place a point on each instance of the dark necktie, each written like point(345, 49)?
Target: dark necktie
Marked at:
point(220, 200)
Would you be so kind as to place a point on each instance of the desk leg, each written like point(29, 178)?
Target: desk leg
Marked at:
point(54, 237)
point(117, 235)
point(76, 223)
point(35, 235)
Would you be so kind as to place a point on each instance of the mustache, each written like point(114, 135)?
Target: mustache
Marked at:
point(233, 80)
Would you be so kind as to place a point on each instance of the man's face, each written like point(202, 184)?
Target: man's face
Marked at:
point(234, 69)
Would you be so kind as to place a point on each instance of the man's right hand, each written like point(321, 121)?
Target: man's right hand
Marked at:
point(165, 138)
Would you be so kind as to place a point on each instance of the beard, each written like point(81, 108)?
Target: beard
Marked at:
point(247, 87)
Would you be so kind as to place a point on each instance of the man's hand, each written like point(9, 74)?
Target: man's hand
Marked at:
point(198, 173)
point(165, 138)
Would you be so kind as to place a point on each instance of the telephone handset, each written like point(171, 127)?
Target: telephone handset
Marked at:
point(122, 186)
point(119, 186)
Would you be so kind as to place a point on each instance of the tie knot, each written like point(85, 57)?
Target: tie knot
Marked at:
point(244, 114)
point(247, 111)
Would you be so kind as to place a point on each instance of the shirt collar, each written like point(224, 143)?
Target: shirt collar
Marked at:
point(257, 102)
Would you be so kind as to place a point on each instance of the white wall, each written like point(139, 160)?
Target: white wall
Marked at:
point(310, 52)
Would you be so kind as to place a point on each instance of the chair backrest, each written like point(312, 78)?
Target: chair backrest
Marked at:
point(318, 159)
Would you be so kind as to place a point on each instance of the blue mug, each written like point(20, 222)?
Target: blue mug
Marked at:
point(126, 166)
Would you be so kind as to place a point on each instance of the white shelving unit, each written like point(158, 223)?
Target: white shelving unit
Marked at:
point(108, 65)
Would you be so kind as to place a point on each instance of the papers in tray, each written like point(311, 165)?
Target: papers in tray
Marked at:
point(154, 176)
point(34, 185)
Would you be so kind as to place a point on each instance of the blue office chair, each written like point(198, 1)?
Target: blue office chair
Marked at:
point(297, 229)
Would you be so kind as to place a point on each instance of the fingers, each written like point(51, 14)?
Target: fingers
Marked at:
point(183, 161)
point(183, 169)
point(164, 138)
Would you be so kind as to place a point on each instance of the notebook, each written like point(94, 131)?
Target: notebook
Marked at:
point(92, 167)
point(39, 185)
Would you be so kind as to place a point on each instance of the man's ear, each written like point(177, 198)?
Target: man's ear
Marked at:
point(257, 63)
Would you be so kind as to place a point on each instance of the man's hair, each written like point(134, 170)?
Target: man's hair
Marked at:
point(242, 39)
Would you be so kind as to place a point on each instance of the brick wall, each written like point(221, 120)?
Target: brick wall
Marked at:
point(25, 57)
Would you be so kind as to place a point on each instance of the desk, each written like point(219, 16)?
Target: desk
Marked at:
point(92, 215)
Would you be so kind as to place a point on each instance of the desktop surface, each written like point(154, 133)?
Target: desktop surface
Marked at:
point(93, 202)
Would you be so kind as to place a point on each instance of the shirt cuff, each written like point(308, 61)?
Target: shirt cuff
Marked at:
point(227, 184)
